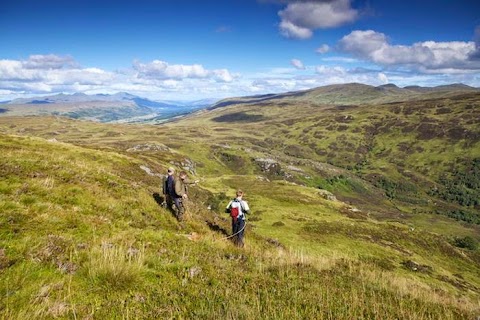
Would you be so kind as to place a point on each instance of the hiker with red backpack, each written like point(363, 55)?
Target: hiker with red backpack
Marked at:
point(238, 208)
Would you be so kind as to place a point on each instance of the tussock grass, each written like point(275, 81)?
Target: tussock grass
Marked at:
point(117, 267)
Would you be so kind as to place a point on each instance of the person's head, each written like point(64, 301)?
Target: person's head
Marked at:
point(239, 193)
point(170, 171)
point(182, 175)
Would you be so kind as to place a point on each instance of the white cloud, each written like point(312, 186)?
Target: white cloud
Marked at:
point(160, 80)
point(42, 74)
point(300, 18)
point(223, 75)
point(383, 77)
point(340, 59)
point(49, 61)
point(49, 73)
point(476, 38)
point(290, 30)
point(297, 64)
point(158, 69)
point(428, 56)
point(324, 48)
point(331, 71)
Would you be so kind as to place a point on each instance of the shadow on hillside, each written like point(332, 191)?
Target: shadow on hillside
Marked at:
point(158, 198)
point(215, 227)
point(239, 117)
point(161, 201)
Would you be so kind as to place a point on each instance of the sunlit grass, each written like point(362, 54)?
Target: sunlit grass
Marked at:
point(84, 238)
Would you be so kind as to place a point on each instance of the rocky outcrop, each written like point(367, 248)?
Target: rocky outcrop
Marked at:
point(186, 164)
point(269, 166)
point(327, 195)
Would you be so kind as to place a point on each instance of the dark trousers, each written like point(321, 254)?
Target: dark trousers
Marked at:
point(238, 228)
point(180, 208)
point(169, 201)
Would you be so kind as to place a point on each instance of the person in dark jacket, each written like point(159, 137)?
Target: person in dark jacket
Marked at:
point(169, 188)
point(238, 208)
point(181, 194)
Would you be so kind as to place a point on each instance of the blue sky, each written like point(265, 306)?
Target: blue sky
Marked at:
point(183, 49)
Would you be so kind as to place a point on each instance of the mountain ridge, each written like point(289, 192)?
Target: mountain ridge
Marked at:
point(125, 107)
point(353, 93)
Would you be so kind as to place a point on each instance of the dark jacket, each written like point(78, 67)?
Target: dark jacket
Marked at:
point(169, 185)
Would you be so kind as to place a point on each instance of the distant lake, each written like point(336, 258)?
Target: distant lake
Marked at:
point(39, 102)
point(3, 110)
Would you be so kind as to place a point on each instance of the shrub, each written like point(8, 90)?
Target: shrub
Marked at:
point(466, 242)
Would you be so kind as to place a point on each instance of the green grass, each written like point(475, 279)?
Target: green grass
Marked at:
point(81, 235)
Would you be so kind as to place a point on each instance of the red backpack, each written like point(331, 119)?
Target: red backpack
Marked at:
point(235, 211)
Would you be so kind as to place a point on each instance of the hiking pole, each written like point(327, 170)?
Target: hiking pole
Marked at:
point(233, 235)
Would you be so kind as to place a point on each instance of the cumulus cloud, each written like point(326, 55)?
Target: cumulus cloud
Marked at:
point(324, 48)
point(290, 30)
point(297, 64)
point(331, 71)
point(300, 18)
point(428, 56)
point(42, 74)
point(158, 69)
point(324, 75)
point(48, 73)
point(49, 61)
point(476, 38)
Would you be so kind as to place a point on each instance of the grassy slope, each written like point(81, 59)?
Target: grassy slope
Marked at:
point(82, 235)
point(407, 144)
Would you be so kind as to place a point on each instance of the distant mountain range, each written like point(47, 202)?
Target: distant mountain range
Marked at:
point(352, 94)
point(127, 108)
point(119, 107)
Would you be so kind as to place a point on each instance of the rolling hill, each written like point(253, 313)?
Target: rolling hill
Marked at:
point(414, 150)
point(354, 93)
point(119, 107)
point(359, 211)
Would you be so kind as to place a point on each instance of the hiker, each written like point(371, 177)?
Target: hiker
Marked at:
point(180, 194)
point(169, 188)
point(238, 208)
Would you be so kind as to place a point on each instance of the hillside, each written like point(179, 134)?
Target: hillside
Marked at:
point(422, 155)
point(82, 234)
point(119, 107)
point(354, 94)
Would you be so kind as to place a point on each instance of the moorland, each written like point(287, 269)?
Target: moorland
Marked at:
point(365, 205)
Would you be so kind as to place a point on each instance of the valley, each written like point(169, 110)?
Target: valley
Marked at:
point(364, 205)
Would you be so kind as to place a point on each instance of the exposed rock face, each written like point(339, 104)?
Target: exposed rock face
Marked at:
point(186, 164)
point(269, 166)
point(327, 195)
point(293, 168)
point(149, 171)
